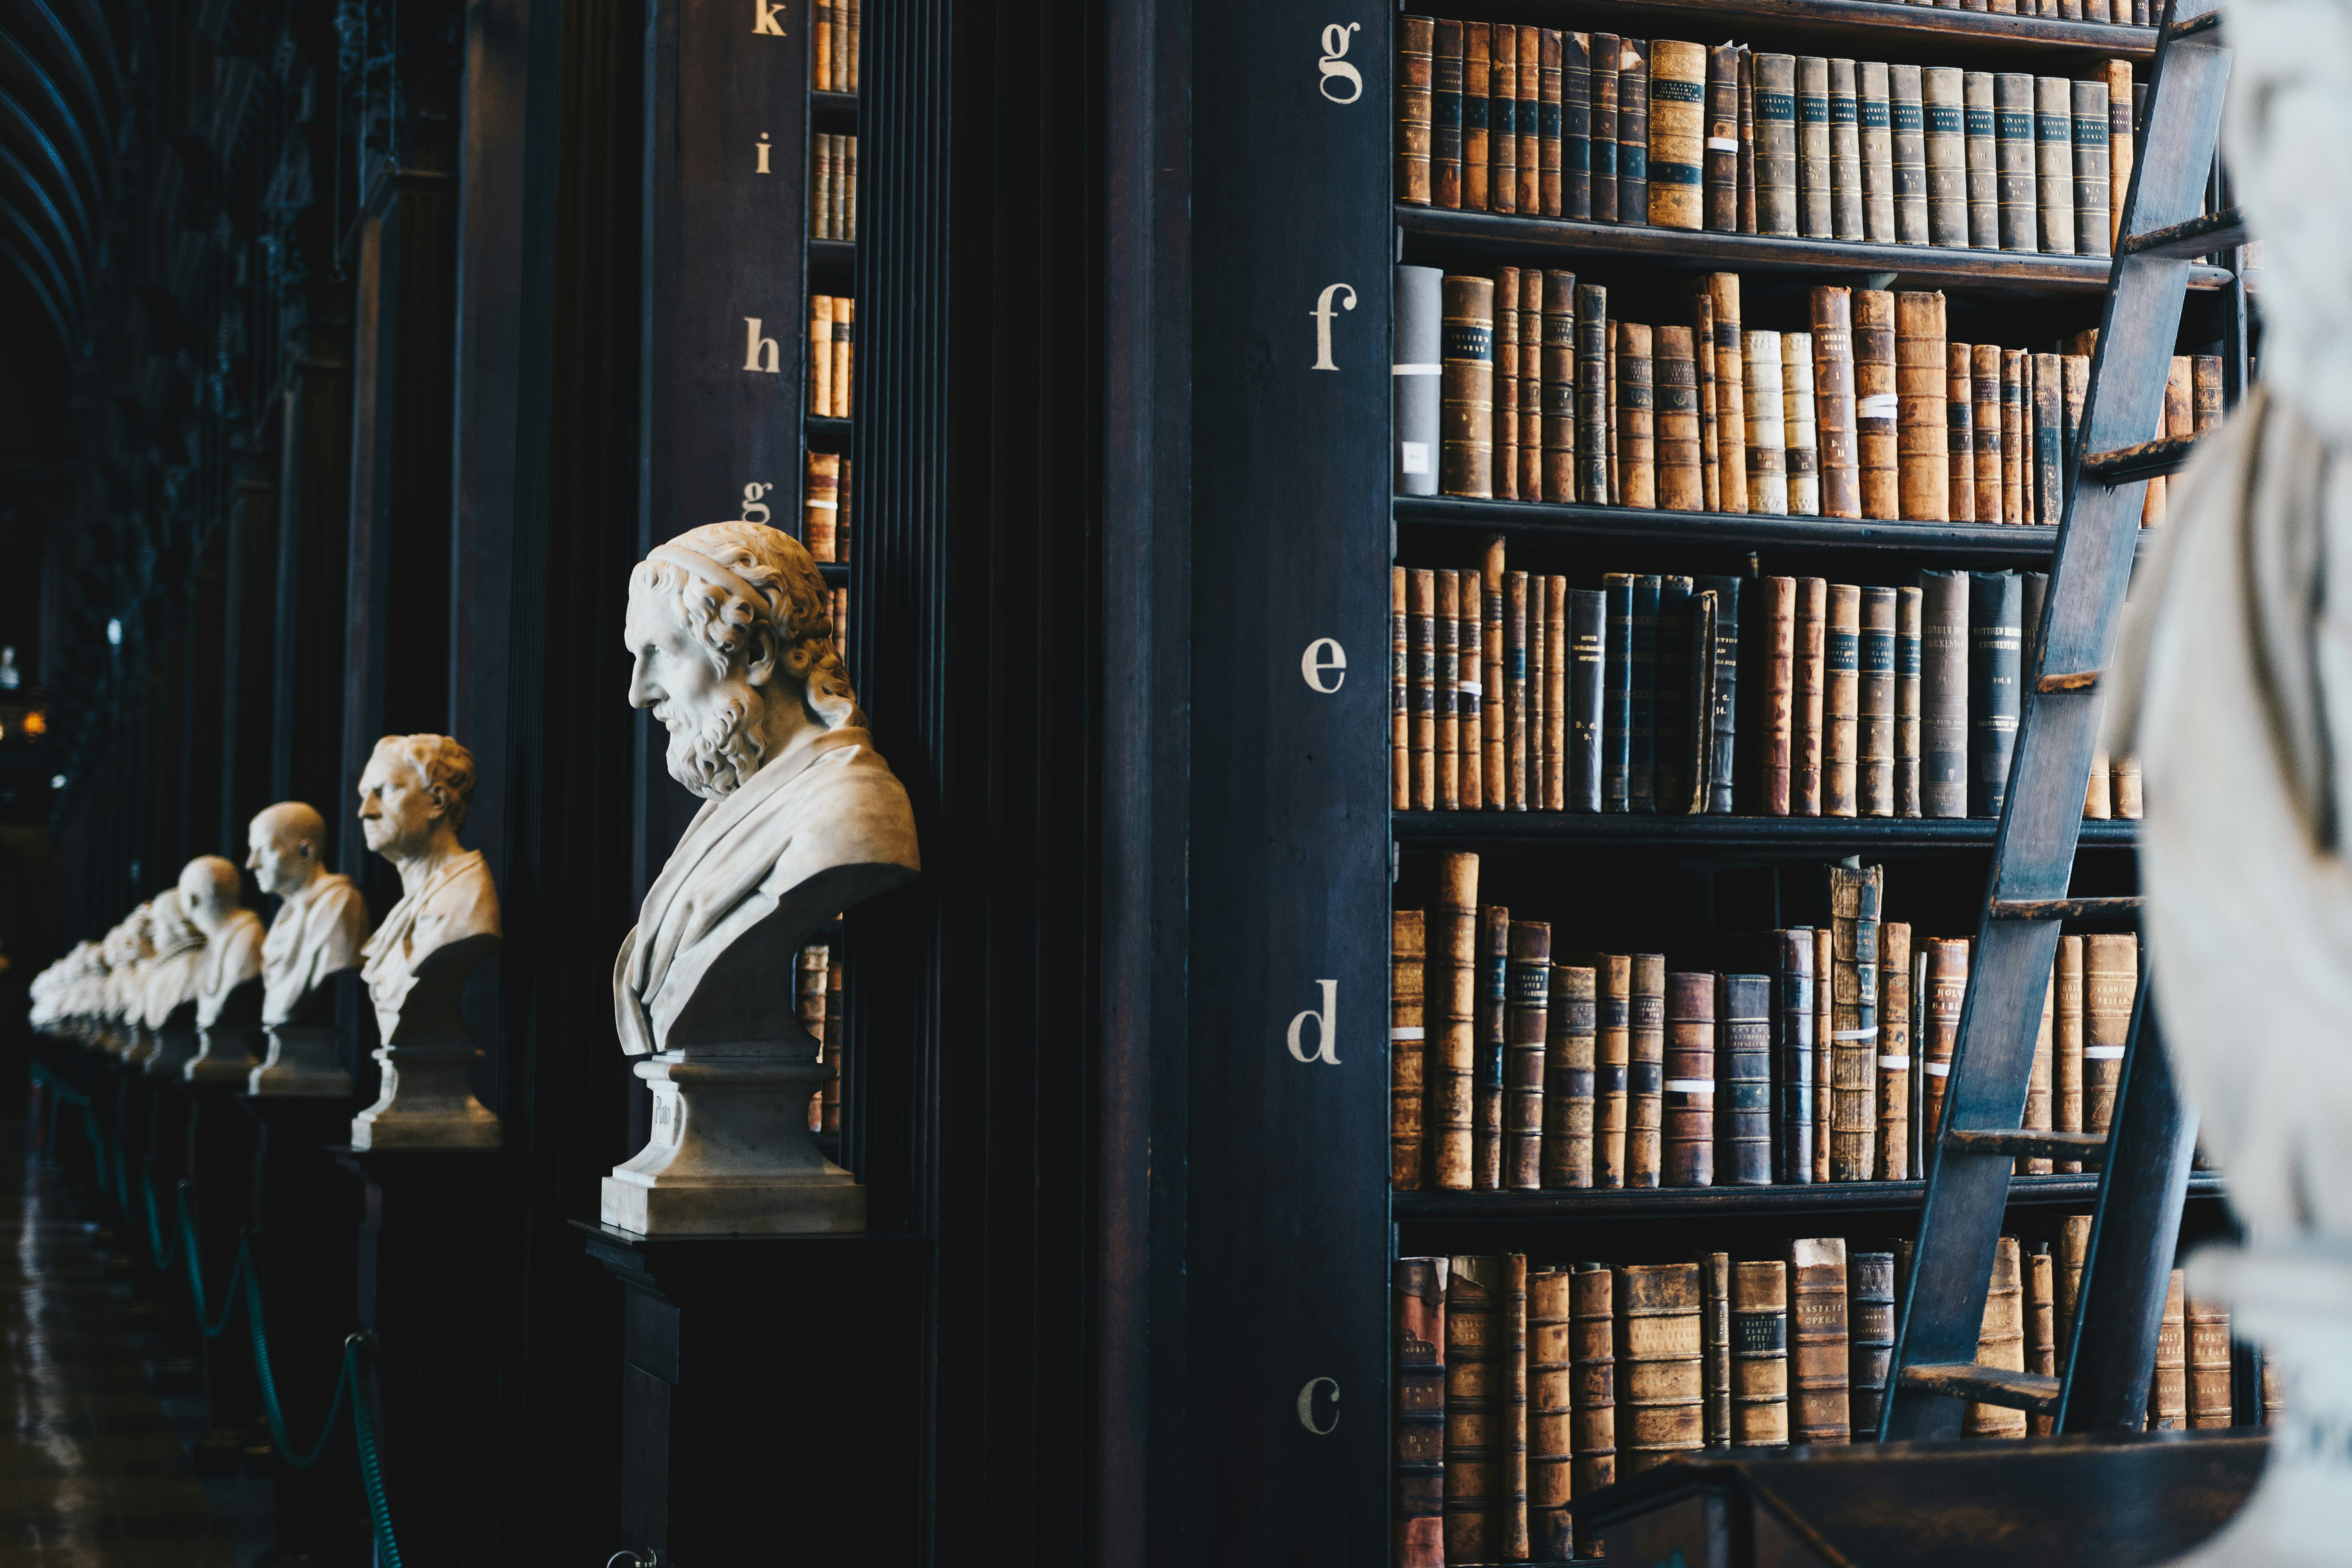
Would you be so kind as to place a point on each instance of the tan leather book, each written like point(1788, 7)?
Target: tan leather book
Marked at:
point(1448, 672)
point(1661, 1400)
point(2126, 773)
point(1909, 613)
point(2274, 1393)
point(1730, 390)
point(1747, 142)
point(2110, 984)
point(1503, 121)
point(1646, 1057)
point(1558, 391)
point(1593, 406)
point(1539, 685)
point(1515, 690)
point(1452, 985)
point(1818, 1372)
point(2167, 1387)
point(1948, 991)
point(1824, 949)
point(2066, 1054)
point(2205, 393)
point(1400, 689)
point(1923, 448)
point(820, 386)
point(820, 504)
point(1530, 99)
point(1768, 456)
point(1445, 92)
point(1854, 896)
point(1633, 131)
point(821, 31)
point(845, 331)
point(1551, 1414)
point(836, 1046)
point(1759, 1354)
point(1688, 1146)
point(1709, 440)
point(1808, 696)
point(1943, 103)
point(1569, 1068)
point(2118, 74)
point(1798, 427)
point(1776, 604)
point(1874, 705)
point(1508, 380)
point(1877, 405)
point(1677, 154)
point(2098, 795)
point(2014, 426)
point(1526, 1015)
point(2038, 1108)
point(2073, 1251)
point(1531, 364)
point(1870, 1339)
point(1465, 446)
point(1416, 61)
point(1681, 482)
point(1477, 74)
point(1470, 688)
point(2000, 1342)
point(1637, 476)
point(1960, 426)
point(1722, 170)
point(1842, 701)
point(1421, 613)
point(1834, 398)
point(1493, 772)
point(1715, 1346)
point(1407, 948)
point(1846, 152)
point(1419, 1289)
point(1476, 1384)
point(1508, 1532)
point(1550, 89)
point(1616, 489)
point(1486, 1060)
point(1555, 715)
point(2209, 1365)
point(1893, 1127)
point(2041, 1325)
point(1985, 430)
point(1613, 994)
point(1593, 1340)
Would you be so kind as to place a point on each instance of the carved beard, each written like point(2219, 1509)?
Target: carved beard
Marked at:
point(718, 755)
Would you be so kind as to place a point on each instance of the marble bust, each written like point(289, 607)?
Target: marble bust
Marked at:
point(167, 1036)
point(228, 981)
point(413, 800)
point(129, 947)
point(733, 652)
point(321, 922)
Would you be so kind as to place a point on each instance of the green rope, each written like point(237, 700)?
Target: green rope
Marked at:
point(363, 1427)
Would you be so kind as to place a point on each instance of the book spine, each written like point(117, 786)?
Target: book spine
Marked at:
point(1870, 1352)
point(1477, 68)
point(1419, 1288)
point(1768, 470)
point(1587, 628)
point(1984, 207)
point(1605, 56)
point(1746, 140)
point(1569, 1062)
point(1854, 1021)
point(1469, 685)
point(1680, 486)
point(1677, 151)
point(1416, 60)
point(1487, 1067)
point(1531, 405)
point(1875, 707)
point(1744, 1079)
point(1551, 1414)
point(2110, 986)
point(1514, 688)
point(2118, 74)
point(1910, 150)
point(1531, 117)
point(1824, 966)
point(1576, 125)
point(1893, 1144)
point(1793, 1007)
point(1525, 1034)
point(1842, 702)
point(2000, 1340)
point(1722, 175)
point(2093, 234)
point(2127, 788)
point(2036, 1117)
point(1417, 371)
point(1960, 432)
point(2205, 393)
point(1466, 388)
point(1507, 382)
point(1503, 121)
point(1944, 701)
point(1661, 1405)
point(1922, 420)
point(1448, 692)
point(1730, 390)
point(1452, 983)
point(821, 30)
point(1798, 428)
point(1907, 701)
point(1776, 143)
point(1633, 131)
point(1408, 947)
point(1759, 1354)
point(1703, 361)
point(1986, 433)
point(2049, 431)
point(821, 505)
point(1645, 1044)
point(1637, 473)
point(1556, 712)
point(2209, 1365)
point(1722, 723)
point(820, 379)
point(1995, 653)
point(2054, 162)
point(1473, 1413)
point(1873, 107)
point(1814, 218)
point(1642, 703)
point(2073, 1251)
point(1808, 696)
point(1777, 638)
point(1714, 1342)
point(1445, 115)
point(1818, 1372)
point(2013, 134)
point(1613, 982)
point(1493, 772)
point(1877, 404)
point(1845, 153)
point(1614, 717)
point(1944, 113)
point(1508, 1531)
point(1421, 619)
point(1834, 399)
point(1689, 1144)
point(1591, 395)
point(1593, 1340)
point(2040, 1327)
point(1947, 990)
point(2015, 460)
point(1558, 398)
point(2066, 1057)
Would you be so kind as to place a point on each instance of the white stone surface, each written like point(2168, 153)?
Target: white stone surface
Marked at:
point(228, 980)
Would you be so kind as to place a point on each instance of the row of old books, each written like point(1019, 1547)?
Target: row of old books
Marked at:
point(1713, 695)
point(1518, 1389)
point(824, 507)
point(2124, 13)
point(832, 320)
point(1812, 1054)
point(1523, 386)
point(817, 1002)
point(833, 44)
point(833, 186)
point(1493, 117)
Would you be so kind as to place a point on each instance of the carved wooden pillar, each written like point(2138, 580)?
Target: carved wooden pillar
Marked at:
point(312, 570)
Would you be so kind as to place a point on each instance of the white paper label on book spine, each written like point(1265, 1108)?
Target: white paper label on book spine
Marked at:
point(1405, 1034)
point(1877, 405)
point(1412, 456)
point(1722, 145)
point(2103, 1053)
point(1855, 1035)
point(1416, 369)
point(1469, 688)
point(1938, 1070)
point(1895, 1061)
point(1691, 1085)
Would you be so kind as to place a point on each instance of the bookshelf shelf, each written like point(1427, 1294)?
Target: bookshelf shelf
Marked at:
point(1991, 544)
point(836, 575)
point(1952, 34)
point(1433, 231)
point(831, 254)
point(1806, 836)
point(827, 435)
point(1679, 1203)
point(832, 112)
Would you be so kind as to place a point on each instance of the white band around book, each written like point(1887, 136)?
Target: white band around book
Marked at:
point(1469, 688)
point(1690, 1085)
point(1722, 145)
point(1877, 405)
point(822, 505)
point(1937, 1070)
point(1855, 1035)
point(1416, 370)
point(2103, 1053)
point(1895, 1061)
point(1404, 1034)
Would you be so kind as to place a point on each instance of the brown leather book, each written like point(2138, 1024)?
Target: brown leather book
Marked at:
point(820, 385)
point(1874, 705)
point(1746, 140)
point(1593, 406)
point(1477, 71)
point(2209, 1365)
point(1877, 405)
point(1818, 1372)
point(2167, 1387)
point(1777, 628)
point(1419, 1293)
point(2110, 985)
point(821, 30)
point(2125, 772)
point(1870, 1346)
point(1743, 1080)
point(1854, 897)
point(1560, 652)
point(1551, 1414)
point(1842, 701)
point(2037, 1114)
point(1681, 485)
point(1722, 166)
point(1421, 619)
point(820, 504)
point(1633, 131)
point(1526, 1009)
point(1824, 961)
point(2073, 1251)
point(2118, 75)
point(1715, 1346)
point(1984, 375)
point(2000, 1342)
point(2205, 393)
point(1407, 948)
point(1677, 126)
point(1893, 1130)
point(1606, 56)
point(1645, 1056)
point(1559, 391)
point(1465, 449)
point(1923, 448)
point(1503, 121)
point(1637, 475)
point(1508, 1531)
point(1613, 994)
point(1469, 688)
point(1447, 671)
point(1400, 689)
point(1475, 1385)
point(844, 332)
point(2046, 413)
point(1507, 383)
point(1487, 1063)
point(1709, 440)
point(1550, 87)
point(1592, 1340)
point(1452, 981)
point(1800, 430)
point(1569, 1068)
point(1908, 615)
point(1416, 61)
point(2273, 1395)
point(1808, 695)
point(836, 1046)
point(2041, 1326)
point(1730, 390)
point(1530, 98)
point(1445, 136)
point(1531, 360)
point(1759, 1354)
point(1494, 772)
point(1959, 413)
point(1947, 990)
point(1834, 399)
point(1516, 689)
point(2016, 424)
point(1688, 1153)
point(1846, 152)
point(1661, 1400)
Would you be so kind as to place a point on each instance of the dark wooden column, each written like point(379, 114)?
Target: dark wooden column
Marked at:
point(248, 682)
point(313, 572)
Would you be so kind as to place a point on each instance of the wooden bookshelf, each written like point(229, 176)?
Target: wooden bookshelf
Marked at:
point(828, 435)
point(1679, 1203)
point(1793, 836)
point(1928, 543)
point(1953, 35)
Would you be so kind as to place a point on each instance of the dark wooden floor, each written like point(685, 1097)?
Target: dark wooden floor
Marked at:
point(91, 1473)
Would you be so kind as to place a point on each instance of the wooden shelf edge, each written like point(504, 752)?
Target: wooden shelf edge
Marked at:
point(1936, 24)
point(1418, 830)
point(836, 575)
point(1536, 519)
point(1701, 1202)
point(837, 104)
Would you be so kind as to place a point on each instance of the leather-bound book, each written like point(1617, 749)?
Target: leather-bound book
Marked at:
point(1984, 377)
point(1870, 1345)
point(1672, 684)
point(1661, 1397)
point(1605, 57)
point(1551, 1414)
point(845, 330)
point(1515, 690)
point(1875, 706)
point(1877, 404)
point(1688, 1154)
point(2118, 75)
point(1941, 103)
point(1558, 399)
point(1421, 628)
point(1526, 1011)
point(1477, 70)
point(2054, 162)
point(1775, 617)
point(1612, 977)
point(1743, 1078)
point(2037, 1114)
point(821, 30)
point(1507, 382)
point(2272, 1395)
point(1984, 222)
point(1842, 702)
point(2110, 985)
point(1944, 693)
point(1960, 411)
point(1807, 694)
point(1576, 125)
point(1793, 1067)
point(1746, 140)
point(2041, 1326)
point(1633, 131)
point(1722, 167)
point(2016, 429)
point(1469, 685)
point(1568, 1063)
point(1593, 1340)
point(1419, 1292)
point(1759, 1354)
point(1503, 121)
point(1508, 1532)
point(1776, 143)
point(1416, 59)
point(1420, 336)
point(2127, 788)
point(1845, 153)
point(1475, 1386)
point(2000, 1342)
point(1814, 218)
point(1614, 715)
point(2168, 1389)
point(1643, 696)
point(2073, 1251)
point(1947, 990)
point(1996, 637)
point(1920, 992)
point(1532, 341)
point(1451, 983)
point(1558, 655)
point(1798, 427)
point(1677, 159)
point(1730, 390)
point(1854, 1021)
point(1703, 363)
point(1873, 107)
point(2205, 393)
point(1636, 456)
point(1445, 114)
point(1487, 1065)
point(2207, 1324)
point(1645, 1066)
point(1530, 98)
point(2049, 413)
point(2093, 234)
point(1592, 409)
point(820, 504)
point(1922, 419)
point(1824, 964)
point(1491, 715)
point(1680, 487)
point(1818, 1373)
point(1466, 453)
point(1910, 148)
point(1893, 1130)
point(2066, 1057)
point(1715, 1346)
point(820, 378)
point(1448, 748)
point(1722, 723)
point(1833, 398)
point(1587, 624)
point(1907, 601)
point(1407, 949)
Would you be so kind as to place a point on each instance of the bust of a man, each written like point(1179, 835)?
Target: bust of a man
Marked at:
point(129, 947)
point(733, 652)
point(322, 918)
point(209, 894)
point(178, 952)
point(412, 800)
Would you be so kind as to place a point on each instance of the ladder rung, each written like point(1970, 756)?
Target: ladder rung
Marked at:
point(2073, 680)
point(2129, 465)
point(2063, 909)
point(2195, 25)
point(2197, 236)
point(2028, 1144)
point(1986, 1385)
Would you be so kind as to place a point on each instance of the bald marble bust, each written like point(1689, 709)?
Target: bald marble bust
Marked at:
point(229, 1000)
point(412, 800)
point(322, 918)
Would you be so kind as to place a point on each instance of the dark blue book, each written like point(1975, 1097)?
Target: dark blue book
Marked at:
point(1617, 684)
point(1672, 685)
point(1996, 652)
point(1641, 697)
point(1723, 693)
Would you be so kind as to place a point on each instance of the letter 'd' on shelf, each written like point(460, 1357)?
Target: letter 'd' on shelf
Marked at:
point(1327, 1044)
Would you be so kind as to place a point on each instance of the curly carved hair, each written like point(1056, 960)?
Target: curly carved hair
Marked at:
point(445, 767)
point(792, 609)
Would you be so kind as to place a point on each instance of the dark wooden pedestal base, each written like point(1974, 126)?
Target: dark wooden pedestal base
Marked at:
point(220, 1199)
point(770, 1394)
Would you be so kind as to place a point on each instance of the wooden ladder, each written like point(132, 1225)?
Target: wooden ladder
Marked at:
point(2144, 1156)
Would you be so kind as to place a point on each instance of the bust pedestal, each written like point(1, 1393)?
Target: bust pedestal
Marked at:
point(731, 1152)
point(427, 1101)
point(223, 1055)
point(301, 1062)
point(139, 1044)
point(175, 1048)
